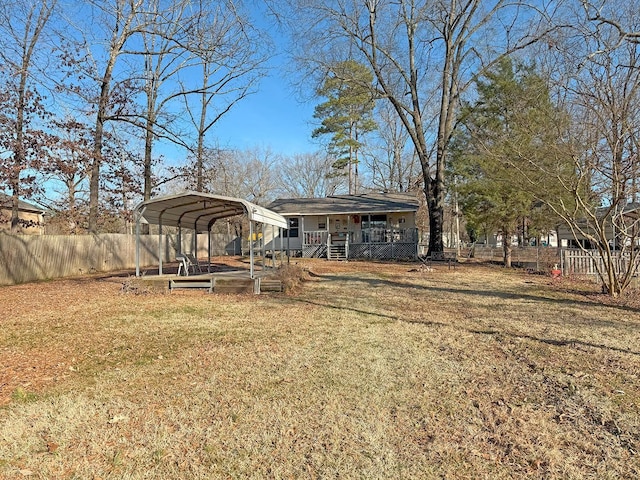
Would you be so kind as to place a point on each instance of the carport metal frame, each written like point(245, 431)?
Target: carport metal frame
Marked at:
point(199, 211)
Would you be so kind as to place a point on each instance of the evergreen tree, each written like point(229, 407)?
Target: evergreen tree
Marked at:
point(503, 133)
point(346, 115)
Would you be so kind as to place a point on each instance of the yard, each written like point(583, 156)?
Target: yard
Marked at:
point(368, 371)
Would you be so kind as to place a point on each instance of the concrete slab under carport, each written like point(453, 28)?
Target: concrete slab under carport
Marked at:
point(198, 211)
point(235, 282)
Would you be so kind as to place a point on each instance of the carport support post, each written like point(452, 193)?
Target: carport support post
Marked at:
point(209, 249)
point(160, 245)
point(273, 245)
point(251, 247)
point(262, 249)
point(138, 243)
point(195, 242)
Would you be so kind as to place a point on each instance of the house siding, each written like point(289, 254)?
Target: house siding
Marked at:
point(30, 218)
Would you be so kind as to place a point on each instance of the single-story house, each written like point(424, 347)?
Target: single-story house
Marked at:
point(370, 225)
point(620, 228)
point(31, 217)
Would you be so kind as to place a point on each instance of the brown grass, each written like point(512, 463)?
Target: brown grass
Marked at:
point(370, 370)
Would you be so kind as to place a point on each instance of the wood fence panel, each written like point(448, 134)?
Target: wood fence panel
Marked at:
point(579, 262)
point(28, 258)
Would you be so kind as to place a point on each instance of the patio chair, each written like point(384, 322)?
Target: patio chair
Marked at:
point(187, 262)
point(194, 262)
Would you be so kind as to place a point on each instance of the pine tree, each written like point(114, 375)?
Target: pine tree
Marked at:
point(346, 115)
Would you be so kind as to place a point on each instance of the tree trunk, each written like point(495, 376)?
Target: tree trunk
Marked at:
point(98, 136)
point(506, 247)
point(148, 147)
point(436, 219)
point(18, 150)
point(94, 178)
point(121, 31)
point(202, 128)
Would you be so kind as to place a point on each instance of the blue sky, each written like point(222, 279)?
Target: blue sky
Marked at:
point(272, 117)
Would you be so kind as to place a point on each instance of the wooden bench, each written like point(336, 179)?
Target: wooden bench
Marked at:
point(450, 258)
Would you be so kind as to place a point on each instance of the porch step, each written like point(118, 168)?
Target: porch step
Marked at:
point(191, 282)
point(337, 252)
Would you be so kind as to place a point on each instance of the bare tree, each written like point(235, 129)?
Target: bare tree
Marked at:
point(108, 91)
point(66, 170)
point(599, 81)
point(393, 167)
point(230, 53)
point(165, 56)
point(422, 52)
point(308, 175)
point(22, 24)
point(256, 172)
point(616, 14)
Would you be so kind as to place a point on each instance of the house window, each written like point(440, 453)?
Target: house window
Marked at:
point(322, 225)
point(373, 228)
point(374, 221)
point(294, 228)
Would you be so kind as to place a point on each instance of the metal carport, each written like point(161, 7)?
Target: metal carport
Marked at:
point(199, 211)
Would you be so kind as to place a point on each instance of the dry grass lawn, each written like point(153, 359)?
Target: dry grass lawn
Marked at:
point(369, 371)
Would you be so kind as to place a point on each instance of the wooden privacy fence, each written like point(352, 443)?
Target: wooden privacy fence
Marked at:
point(28, 258)
point(578, 262)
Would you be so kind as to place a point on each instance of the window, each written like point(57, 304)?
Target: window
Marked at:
point(322, 225)
point(294, 225)
point(373, 228)
point(374, 221)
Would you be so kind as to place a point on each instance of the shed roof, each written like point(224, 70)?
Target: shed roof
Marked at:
point(200, 210)
point(347, 204)
point(6, 203)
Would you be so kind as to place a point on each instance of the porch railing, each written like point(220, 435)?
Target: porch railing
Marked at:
point(368, 235)
point(384, 235)
point(315, 237)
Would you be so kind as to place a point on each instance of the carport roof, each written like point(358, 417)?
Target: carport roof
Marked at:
point(198, 210)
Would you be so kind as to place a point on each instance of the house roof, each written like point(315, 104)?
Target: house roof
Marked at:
point(6, 203)
point(370, 203)
point(198, 210)
point(631, 209)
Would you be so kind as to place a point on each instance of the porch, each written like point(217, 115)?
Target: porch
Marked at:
point(370, 243)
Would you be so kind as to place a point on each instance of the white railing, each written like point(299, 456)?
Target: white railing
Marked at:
point(315, 237)
point(369, 235)
point(576, 261)
point(384, 235)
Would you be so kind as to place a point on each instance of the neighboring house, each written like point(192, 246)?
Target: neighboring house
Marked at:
point(30, 216)
point(624, 228)
point(549, 239)
point(371, 225)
